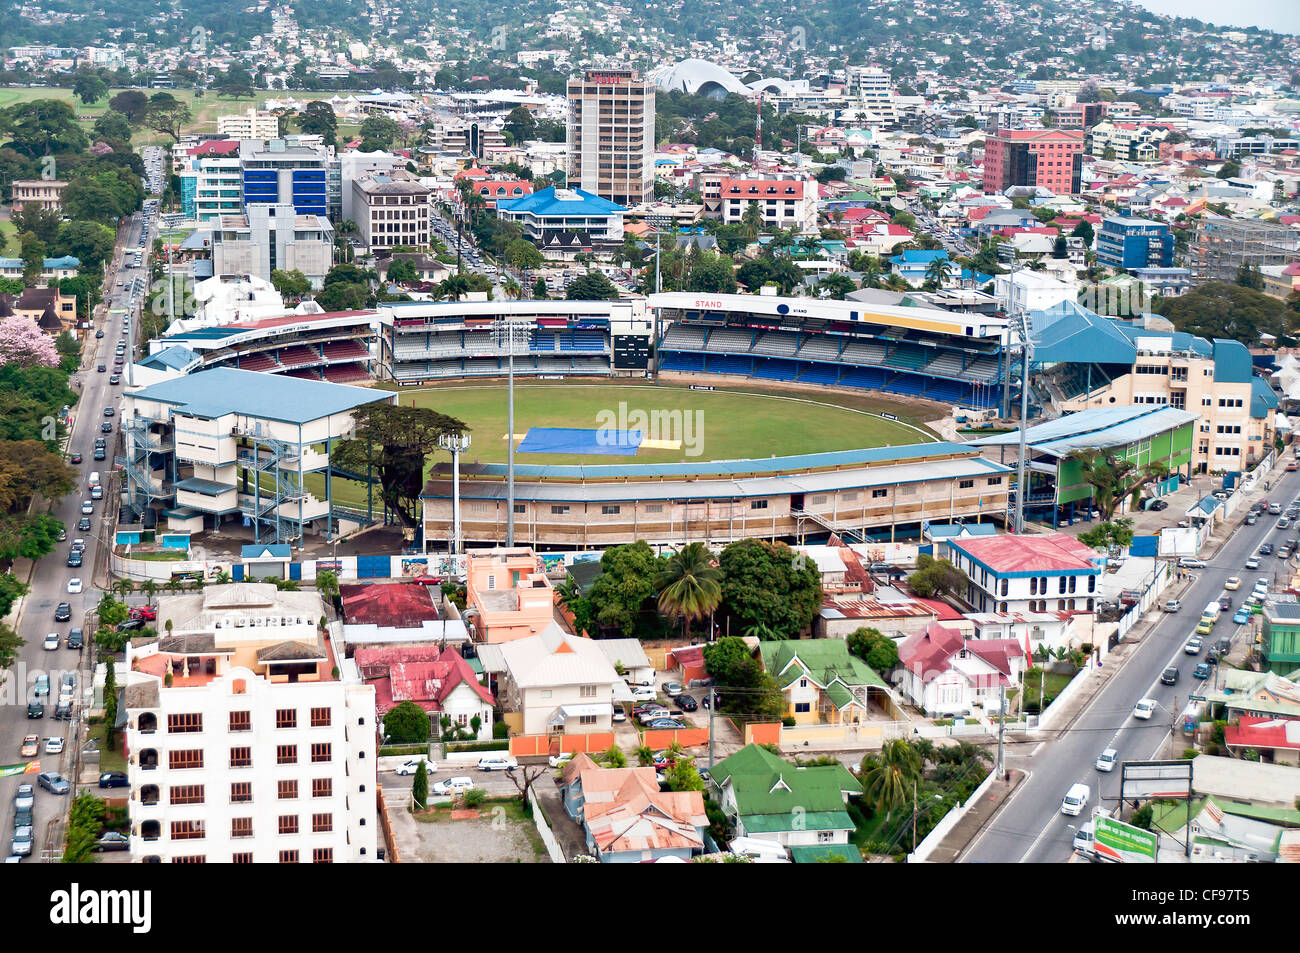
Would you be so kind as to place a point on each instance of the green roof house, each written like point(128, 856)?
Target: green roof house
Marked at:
point(823, 682)
point(771, 799)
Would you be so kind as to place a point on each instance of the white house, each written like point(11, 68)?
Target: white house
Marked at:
point(943, 673)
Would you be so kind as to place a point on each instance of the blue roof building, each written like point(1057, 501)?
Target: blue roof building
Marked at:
point(565, 219)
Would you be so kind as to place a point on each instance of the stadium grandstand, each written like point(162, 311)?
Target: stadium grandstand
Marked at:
point(939, 355)
point(335, 347)
point(429, 341)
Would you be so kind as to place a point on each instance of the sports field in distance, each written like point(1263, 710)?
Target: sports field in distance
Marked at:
point(683, 425)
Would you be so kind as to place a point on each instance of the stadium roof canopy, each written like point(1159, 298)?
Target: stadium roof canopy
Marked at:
point(1098, 428)
point(700, 77)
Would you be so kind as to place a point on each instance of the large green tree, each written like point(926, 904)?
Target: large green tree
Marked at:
point(393, 442)
point(936, 577)
point(406, 723)
point(622, 596)
point(592, 286)
point(768, 584)
point(742, 686)
point(887, 782)
point(1222, 309)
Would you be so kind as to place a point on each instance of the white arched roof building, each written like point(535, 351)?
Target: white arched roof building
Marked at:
point(699, 76)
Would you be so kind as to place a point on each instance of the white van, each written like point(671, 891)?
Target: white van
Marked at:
point(93, 479)
point(1076, 799)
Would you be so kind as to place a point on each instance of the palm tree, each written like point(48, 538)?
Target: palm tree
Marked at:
point(925, 748)
point(937, 271)
point(125, 587)
point(752, 220)
point(645, 756)
point(512, 288)
point(172, 585)
point(886, 783)
point(454, 286)
point(149, 588)
point(690, 586)
point(871, 272)
point(811, 245)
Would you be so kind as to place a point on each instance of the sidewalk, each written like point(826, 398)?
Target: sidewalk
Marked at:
point(979, 814)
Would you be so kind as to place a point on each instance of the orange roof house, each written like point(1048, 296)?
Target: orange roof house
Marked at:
point(627, 818)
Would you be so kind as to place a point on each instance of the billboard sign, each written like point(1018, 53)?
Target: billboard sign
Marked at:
point(1145, 780)
point(1123, 843)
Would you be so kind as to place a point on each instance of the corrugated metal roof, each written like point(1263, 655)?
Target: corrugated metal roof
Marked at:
point(1094, 429)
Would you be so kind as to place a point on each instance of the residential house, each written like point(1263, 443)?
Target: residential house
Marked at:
point(822, 681)
point(554, 682)
point(438, 680)
point(945, 673)
point(52, 310)
point(1017, 573)
point(770, 799)
point(626, 818)
point(507, 595)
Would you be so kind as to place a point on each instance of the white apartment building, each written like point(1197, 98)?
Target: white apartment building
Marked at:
point(391, 209)
point(273, 238)
point(249, 739)
point(785, 201)
point(250, 124)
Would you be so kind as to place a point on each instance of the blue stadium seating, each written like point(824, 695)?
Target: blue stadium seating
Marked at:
point(725, 364)
point(820, 374)
point(776, 369)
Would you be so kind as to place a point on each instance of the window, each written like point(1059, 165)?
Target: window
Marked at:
point(654, 507)
point(288, 823)
point(1033, 585)
point(286, 718)
point(758, 504)
point(1060, 585)
point(965, 484)
point(241, 791)
point(322, 787)
point(241, 757)
point(321, 823)
point(286, 790)
point(288, 857)
point(184, 724)
point(322, 855)
point(241, 721)
point(320, 717)
point(186, 794)
point(241, 827)
point(610, 510)
point(521, 508)
point(286, 754)
point(587, 691)
point(825, 837)
point(241, 858)
point(187, 830)
point(1002, 590)
point(879, 494)
point(185, 758)
point(559, 510)
point(192, 859)
point(802, 707)
point(321, 752)
point(586, 719)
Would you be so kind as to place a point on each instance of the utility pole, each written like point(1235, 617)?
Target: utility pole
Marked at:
point(1002, 724)
point(507, 329)
point(914, 815)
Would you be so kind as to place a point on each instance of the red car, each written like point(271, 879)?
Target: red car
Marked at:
point(147, 613)
point(426, 580)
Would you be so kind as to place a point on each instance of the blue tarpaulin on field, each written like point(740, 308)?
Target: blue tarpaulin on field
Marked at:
point(565, 440)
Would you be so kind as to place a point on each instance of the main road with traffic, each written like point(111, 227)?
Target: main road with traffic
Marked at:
point(1030, 827)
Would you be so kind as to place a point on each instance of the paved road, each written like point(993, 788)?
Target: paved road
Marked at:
point(1030, 828)
point(50, 580)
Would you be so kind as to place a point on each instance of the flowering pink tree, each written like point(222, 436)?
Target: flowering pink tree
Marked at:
point(22, 342)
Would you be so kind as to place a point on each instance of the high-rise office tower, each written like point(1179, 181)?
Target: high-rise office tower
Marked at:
point(611, 135)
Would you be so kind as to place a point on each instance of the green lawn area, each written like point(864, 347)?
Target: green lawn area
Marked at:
point(162, 556)
point(9, 239)
point(108, 760)
point(720, 424)
point(1053, 686)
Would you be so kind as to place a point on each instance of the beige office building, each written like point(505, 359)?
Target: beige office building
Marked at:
point(611, 135)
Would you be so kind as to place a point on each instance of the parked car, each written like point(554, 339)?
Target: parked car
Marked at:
point(1158, 505)
point(113, 779)
point(31, 746)
point(54, 746)
point(53, 782)
point(619, 716)
point(1190, 562)
point(1173, 605)
point(75, 639)
point(686, 702)
point(21, 846)
point(662, 723)
point(1193, 647)
point(1106, 760)
point(559, 760)
point(112, 840)
point(148, 613)
point(52, 641)
point(412, 766)
point(454, 786)
point(1145, 708)
point(673, 689)
point(24, 797)
point(642, 693)
point(1241, 616)
point(497, 762)
point(130, 624)
point(1169, 676)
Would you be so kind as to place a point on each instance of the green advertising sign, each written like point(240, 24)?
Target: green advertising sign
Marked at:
point(1124, 843)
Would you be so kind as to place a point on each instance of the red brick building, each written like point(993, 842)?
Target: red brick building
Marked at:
point(1052, 158)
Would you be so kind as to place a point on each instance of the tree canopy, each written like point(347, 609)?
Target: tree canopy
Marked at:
point(768, 584)
point(1222, 309)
